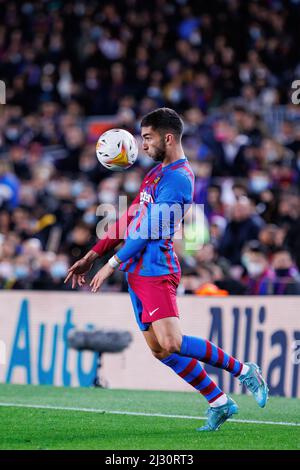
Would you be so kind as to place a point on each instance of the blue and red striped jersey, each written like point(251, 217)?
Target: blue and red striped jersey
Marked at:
point(165, 195)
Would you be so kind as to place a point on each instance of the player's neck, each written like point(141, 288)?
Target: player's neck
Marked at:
point(174, 155)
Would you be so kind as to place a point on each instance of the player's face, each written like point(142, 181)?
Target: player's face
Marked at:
point(153, 144)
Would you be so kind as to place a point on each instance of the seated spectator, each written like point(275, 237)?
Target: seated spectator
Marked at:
point(241, 228)
point(229, 149)
point(286, 280)
point(239, 190)
point(206, 254)
point(190, 281)
point(21, 273)
point(214, 202)
point(217, 227)
point(257, 279)
point(242, 147)
point(79, 239)
point(224, 281)
point(270, 237)
point(200, 282)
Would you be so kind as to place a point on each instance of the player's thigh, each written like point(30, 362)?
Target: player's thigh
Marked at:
point(151, 340)
point(153, 344)
point(168, 333)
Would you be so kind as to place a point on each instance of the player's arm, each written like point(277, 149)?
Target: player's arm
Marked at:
point(116, 231)
point(112, 238)
point(175, 190)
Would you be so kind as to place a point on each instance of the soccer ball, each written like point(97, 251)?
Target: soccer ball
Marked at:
point(117, 149)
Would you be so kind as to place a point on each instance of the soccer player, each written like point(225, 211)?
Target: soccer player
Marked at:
point(153, 271)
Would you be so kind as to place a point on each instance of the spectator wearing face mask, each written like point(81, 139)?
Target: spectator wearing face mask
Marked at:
point(58, 271)
point(259, 181)
point(257, 280)
point(21, 273)
point(286, 277)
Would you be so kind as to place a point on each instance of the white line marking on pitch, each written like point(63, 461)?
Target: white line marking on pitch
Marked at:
point(136, 413)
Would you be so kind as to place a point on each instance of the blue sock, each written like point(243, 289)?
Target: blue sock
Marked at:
point(193, 373)
point(209, 353)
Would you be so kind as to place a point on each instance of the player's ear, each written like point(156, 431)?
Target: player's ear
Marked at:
point(169, 139)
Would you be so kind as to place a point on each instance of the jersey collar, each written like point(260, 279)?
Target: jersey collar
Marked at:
point(183, 159)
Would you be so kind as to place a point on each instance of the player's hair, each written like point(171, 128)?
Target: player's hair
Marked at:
point(164, 120)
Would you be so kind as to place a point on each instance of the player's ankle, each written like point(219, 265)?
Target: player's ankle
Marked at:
point(244, 370)
point(222, 400)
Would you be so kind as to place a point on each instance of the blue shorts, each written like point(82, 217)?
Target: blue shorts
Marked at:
point(138, 310)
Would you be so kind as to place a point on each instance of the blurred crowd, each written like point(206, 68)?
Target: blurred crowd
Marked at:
point(220, 64)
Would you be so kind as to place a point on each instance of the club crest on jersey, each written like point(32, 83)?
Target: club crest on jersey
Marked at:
point(145, 197)
point(156, 180)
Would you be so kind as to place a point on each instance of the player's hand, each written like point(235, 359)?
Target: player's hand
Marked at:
point(78, 271)
point(100, 277)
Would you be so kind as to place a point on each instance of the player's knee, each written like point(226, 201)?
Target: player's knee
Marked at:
point(171, 344)
point(161, 354)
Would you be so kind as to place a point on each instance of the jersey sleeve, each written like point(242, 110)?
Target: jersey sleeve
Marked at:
point(159, 220)
point(116, 231)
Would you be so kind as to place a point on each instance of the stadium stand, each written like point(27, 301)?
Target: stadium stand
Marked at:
point(226, 66)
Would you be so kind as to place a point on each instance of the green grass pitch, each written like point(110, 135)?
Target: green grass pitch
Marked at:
point(107, 426)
